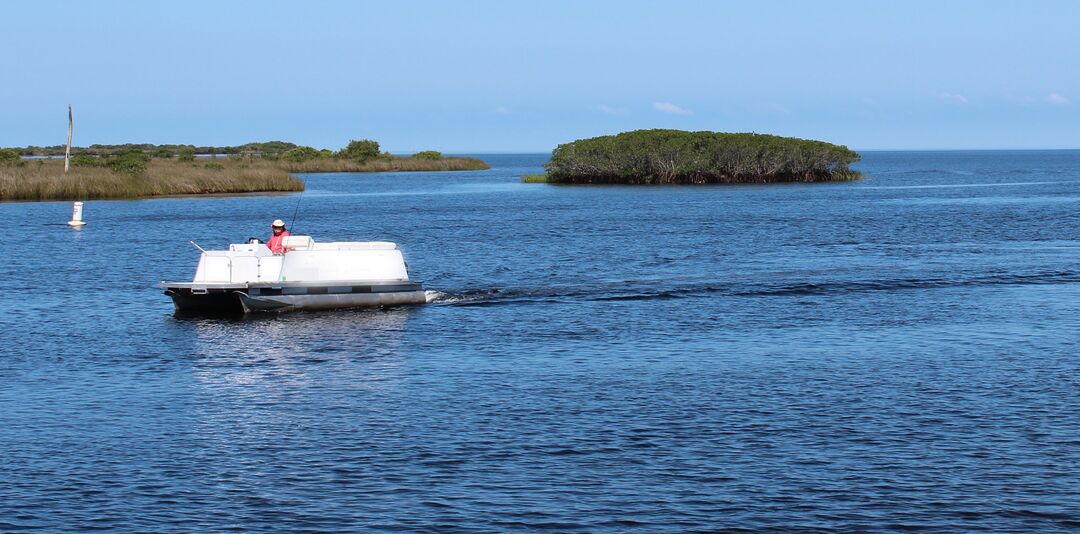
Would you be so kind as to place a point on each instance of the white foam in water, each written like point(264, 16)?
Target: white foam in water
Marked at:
point(441, 297)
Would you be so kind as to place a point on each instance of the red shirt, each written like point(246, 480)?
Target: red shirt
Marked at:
point(275, 242)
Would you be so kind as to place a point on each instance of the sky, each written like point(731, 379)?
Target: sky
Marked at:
point(487, 76)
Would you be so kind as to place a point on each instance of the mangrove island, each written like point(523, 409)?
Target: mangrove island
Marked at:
point(681, 157)
point(145, 170)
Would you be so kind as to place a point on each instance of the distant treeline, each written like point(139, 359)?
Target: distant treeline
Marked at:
point(138, 170)
point(358, 150)
point(680, 157)
point(267, 148)
point(357, 156)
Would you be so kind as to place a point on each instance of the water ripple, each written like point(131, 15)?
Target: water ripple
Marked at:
point(893, 354)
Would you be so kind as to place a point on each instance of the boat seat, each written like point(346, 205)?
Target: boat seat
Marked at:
point(356, 245)
point(297, 242)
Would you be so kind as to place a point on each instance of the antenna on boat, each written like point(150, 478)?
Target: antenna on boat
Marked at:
point(296, 210)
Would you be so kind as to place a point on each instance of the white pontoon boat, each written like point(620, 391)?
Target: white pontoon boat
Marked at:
point(248, 277)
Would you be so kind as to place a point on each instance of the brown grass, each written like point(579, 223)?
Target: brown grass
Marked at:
point(386, 165)
point(46, 180)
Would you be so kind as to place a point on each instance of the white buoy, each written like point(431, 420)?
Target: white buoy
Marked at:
point(76, 215)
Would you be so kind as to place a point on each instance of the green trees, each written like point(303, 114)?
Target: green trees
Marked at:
point(675, 156)
point(83, 160)
point(265, 150)
point(360, 155)
point(9, 157)
point(300, 153)
point(131, 162)
point(361, 151)
point(428, 154)
point(186, 153)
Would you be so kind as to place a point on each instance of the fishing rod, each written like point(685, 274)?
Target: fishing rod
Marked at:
point(296, 210)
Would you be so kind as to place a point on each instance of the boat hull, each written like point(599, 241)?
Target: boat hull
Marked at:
point(228, 299)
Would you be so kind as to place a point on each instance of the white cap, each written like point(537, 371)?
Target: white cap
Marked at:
point(278, 222)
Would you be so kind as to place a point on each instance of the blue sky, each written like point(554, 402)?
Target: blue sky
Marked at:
point(525, 76)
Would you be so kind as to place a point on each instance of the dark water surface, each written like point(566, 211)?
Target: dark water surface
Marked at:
point(895, 353)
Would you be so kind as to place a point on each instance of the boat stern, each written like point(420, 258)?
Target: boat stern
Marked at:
point(193, 300)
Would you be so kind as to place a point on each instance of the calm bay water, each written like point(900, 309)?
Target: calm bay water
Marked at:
point(899, 352)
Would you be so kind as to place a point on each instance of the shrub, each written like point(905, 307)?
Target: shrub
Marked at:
point(10, 157)
point(360, 151)
point(186, 154)
point(428, 154)
point(163, 153)
point(535, 179)
point(270, 150)
point(84, 160)
point(300, 153)
point(215, 166)
point(131, 162)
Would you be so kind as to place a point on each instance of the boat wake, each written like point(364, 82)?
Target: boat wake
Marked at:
point(650, 290)
point(435, 296)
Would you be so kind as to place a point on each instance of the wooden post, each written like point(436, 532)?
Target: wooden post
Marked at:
point(67, 153)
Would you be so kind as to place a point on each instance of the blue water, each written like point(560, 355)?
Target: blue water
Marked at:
point(899, 352)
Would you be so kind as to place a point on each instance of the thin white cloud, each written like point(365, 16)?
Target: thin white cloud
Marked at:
point(502, 110)
point(777, 108)
point(951, 98)
point(668, 107)
point(611, 111)
point(1055, 99)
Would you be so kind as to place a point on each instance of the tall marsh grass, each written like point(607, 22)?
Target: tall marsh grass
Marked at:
point(46, 180)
